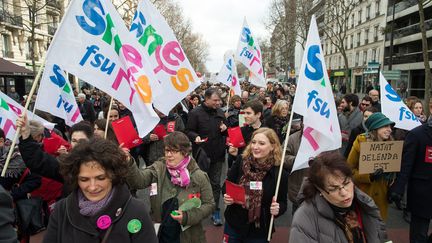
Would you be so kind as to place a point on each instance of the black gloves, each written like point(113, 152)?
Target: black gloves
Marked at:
point(376, 175)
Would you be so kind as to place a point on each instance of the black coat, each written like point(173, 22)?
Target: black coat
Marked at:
point(205, 122)
point(7, 218)
point(87, 111)
point(38, 161)
point(416, 171)
point(68, 225)
point(237, 216)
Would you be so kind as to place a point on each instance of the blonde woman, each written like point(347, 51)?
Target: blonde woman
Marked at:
point(279, 118)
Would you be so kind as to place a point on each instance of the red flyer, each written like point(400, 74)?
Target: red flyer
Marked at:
point(236, 137)
point(160, 131)
point(126, 133)
point(237, 192)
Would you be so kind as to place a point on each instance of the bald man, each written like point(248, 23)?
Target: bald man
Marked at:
point(374, 94)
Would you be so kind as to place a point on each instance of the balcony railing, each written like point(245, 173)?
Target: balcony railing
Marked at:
point(400, 6)
point(11, 19)
point(8, 54)
point(53, 3)
point(407, 58)
point(51, 29)
point(409, 30)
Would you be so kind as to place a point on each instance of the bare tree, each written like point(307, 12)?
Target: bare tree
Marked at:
point(282, 20)
point(428, 75)
point(303, 17)
point(337, 14)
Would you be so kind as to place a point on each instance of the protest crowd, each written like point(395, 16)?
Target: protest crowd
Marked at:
point(240, 153)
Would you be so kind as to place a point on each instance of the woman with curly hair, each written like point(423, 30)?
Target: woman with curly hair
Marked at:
point(100, 207)
point(256, 170)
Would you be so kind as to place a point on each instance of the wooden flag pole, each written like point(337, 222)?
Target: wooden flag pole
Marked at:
point(18, 130)
point(108, 114)
point(280, 170)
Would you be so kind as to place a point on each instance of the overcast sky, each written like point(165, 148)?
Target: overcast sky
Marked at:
point(220, 22)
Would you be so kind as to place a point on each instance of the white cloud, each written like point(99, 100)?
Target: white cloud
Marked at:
point(220, 22)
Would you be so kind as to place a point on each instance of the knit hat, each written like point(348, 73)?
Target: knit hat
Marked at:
point(377, 120)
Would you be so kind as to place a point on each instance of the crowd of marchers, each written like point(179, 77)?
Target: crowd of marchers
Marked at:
point(82, 183)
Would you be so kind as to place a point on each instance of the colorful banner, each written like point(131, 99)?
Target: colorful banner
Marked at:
point(249, 54)
point(165, 57)
point(56, 96)
point(93, 44)
point(314, 101)
point(228, 74)
point(393, 107)
point(10, 110)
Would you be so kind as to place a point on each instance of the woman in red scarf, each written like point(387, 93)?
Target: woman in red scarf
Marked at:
point(256, 170)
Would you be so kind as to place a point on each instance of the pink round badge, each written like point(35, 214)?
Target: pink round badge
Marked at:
point(103, 222)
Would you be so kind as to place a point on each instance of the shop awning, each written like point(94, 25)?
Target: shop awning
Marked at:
point(8, 68)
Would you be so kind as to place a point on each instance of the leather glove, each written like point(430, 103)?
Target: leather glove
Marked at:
point(396, 198)
point(376, 175)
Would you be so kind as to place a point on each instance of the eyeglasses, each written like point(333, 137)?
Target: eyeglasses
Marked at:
point(171, 151)
point(337, 189)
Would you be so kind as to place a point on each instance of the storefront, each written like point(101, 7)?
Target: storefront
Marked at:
point(12, 75)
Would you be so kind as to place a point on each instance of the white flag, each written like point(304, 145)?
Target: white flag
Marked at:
point(393, 107)
point(249, 54)
point(56, 96)
point(10, 110)
point(228, 74)
point(165, 57)
point(94, 44)
point(314, 101)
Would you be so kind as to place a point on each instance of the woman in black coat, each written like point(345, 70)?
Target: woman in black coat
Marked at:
point(100, 208)
point(256, 170)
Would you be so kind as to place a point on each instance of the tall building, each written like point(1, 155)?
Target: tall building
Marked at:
point(17, 20)
point(364, 44)
point(407, 44)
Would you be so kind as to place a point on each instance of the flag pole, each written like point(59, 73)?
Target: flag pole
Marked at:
point(229, 96)
point(18, 130)
point(280, 170)
point(108, 114)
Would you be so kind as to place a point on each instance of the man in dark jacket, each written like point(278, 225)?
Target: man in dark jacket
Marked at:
point(416, 170)
point(206, 127)
point(86, 108)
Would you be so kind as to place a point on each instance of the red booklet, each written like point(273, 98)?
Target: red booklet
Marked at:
point(160, 131)
point(236, 137)
point(237, 192)
point(126, 133)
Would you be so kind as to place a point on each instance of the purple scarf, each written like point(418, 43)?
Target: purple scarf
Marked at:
point(89, 208)
point(180, 174)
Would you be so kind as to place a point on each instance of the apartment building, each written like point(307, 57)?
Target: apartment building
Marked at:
point(16, 22)
point(407, 44)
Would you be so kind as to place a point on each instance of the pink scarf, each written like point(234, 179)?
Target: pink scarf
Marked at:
point(180, 174)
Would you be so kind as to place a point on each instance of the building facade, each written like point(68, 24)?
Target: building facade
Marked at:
point(407, 53)
point(17, 20)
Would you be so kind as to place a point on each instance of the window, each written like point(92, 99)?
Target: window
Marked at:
point(377, 7)
point(357, 59)
point(373, 56)
point(340, 62)
point(352, 20)
point(359, 19)
point(366, 37)
point(6, 47)
point(352, 41)
point(376, 33)
point(358, 38)
point(364, 58)
point(368, 12)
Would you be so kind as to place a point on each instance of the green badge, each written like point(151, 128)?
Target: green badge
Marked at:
point(134, 226)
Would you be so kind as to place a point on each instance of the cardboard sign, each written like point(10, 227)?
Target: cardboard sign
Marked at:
point(375, 155)
point(236, 137)
point(126, 133)
point(237, 192)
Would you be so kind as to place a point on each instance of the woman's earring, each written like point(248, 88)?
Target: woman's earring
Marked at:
point(320, 194)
